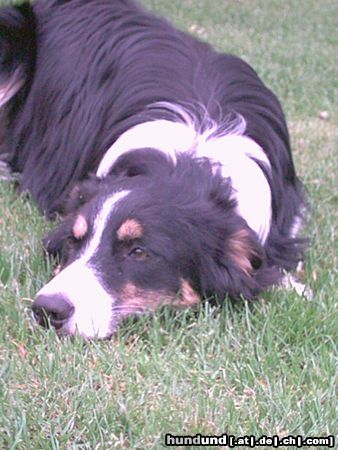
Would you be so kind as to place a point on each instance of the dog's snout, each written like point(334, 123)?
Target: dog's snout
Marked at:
point(54, 309)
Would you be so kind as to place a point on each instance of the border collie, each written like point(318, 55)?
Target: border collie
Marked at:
point(169, 163)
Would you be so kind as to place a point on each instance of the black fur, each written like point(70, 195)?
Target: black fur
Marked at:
point(95, 76)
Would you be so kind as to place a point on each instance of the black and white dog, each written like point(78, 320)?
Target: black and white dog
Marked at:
point(169, 162)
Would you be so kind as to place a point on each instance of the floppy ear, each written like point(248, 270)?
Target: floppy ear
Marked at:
point(143, 161)
point(80, 194)
point(239, 268)
point(53, 243)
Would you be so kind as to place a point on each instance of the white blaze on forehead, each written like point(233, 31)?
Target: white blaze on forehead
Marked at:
point(79, 282)
point(100, 223)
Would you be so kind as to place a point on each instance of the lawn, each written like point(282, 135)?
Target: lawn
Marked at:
point(266, 368)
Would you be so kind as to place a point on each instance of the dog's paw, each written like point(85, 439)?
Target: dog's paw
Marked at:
point(290, 282)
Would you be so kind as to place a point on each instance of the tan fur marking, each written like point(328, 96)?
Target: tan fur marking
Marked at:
point(80, 227)
point(139, 300)
point(188, 296)
point(241, 251)
point(136, 300)
point(130, 229)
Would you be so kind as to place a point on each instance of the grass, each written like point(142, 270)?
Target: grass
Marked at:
point(262, 369)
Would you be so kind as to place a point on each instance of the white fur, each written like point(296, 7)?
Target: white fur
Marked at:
point(80, 284)
point(233, 124)
point(100, 222)
point(296, 226)
point(222, 144)
point(169, 137)
point(250, 186)
point(93, 305)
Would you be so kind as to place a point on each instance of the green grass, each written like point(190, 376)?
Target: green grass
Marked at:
point(266, 368)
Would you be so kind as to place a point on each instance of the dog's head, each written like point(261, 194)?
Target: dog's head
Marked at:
point(148, 235)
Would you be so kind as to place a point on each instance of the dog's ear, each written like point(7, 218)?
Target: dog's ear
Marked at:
point(78, 195)
point(239, 268)
point(144, 162)
point(54, 242)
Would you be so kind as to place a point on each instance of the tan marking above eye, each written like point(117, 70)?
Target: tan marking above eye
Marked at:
point(129, 230)
point(80, 227)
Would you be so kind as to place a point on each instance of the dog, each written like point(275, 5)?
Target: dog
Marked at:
point(169, 163)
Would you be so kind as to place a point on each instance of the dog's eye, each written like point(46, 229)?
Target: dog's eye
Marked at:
point(138, 253)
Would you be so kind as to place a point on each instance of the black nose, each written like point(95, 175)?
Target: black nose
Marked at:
point(52, 309)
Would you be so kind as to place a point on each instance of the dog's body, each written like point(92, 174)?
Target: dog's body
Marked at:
point(194, 192)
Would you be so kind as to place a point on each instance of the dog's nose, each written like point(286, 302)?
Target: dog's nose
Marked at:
point(52, 309)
